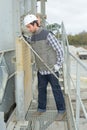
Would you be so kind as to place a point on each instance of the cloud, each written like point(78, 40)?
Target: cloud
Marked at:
point(72, 12)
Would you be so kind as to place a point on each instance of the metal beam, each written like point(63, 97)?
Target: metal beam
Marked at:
point(33, 6)
point(43, 10)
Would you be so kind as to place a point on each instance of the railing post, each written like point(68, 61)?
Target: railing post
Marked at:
point(77, 95)
point(68, 71)
point(66, 62)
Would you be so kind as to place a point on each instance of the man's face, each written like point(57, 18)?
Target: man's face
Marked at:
point(31, 28)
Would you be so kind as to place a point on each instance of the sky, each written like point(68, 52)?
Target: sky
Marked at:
point(72, 12)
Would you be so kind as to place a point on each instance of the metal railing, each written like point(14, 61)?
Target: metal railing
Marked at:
point(3, 76)
point(4, 73)
point(73, 81)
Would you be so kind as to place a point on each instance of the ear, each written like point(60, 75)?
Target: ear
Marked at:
point(35, 24)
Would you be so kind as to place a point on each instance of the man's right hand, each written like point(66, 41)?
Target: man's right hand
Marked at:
point(27, 38)
point(56, 67)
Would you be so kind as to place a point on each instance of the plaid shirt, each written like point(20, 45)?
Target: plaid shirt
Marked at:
point(52, 40)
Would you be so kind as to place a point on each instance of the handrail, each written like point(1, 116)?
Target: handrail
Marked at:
point(79, 101)
point(78, 61)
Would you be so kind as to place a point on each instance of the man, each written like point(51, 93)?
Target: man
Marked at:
point(49, 49)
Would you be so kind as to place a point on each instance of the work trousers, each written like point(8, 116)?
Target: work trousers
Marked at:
point(56, 89)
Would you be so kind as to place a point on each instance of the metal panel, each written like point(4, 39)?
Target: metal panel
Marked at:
point(10, 24)
point(6, 25)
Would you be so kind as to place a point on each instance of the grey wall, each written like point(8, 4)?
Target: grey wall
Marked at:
point(6, 25)
point(10, 13)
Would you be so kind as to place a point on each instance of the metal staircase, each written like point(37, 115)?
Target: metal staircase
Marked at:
point(44, 121)
point(48, 120)
point(18, 80)
point(72, 119)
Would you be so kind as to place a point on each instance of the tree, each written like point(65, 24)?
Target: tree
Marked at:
point(78, 39)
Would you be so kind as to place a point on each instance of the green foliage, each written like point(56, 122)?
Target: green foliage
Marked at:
point(53, 27)
point(78, 39)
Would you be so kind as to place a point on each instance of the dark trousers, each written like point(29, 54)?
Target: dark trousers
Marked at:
point(56, 89)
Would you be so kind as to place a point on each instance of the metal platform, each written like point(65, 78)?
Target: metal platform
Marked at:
point(45, 120)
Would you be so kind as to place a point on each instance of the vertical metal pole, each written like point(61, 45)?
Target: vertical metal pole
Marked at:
point(43, 7)
point(68, 71)
point(77, 95)
point(27, 6)
point(16, 19)
point(19, 93)
point(33, 6)
point(43, 10)
point(20, 113)
point(65, 57)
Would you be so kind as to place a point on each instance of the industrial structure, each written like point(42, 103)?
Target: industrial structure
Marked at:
point(18, 94)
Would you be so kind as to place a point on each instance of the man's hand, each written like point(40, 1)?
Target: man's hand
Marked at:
point(27, 38)
point(24, 36)
point(56, 67)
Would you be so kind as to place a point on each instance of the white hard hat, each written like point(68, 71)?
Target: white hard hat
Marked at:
point(29, 19)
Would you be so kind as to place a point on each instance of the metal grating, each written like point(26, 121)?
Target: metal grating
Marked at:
point(46, 121)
